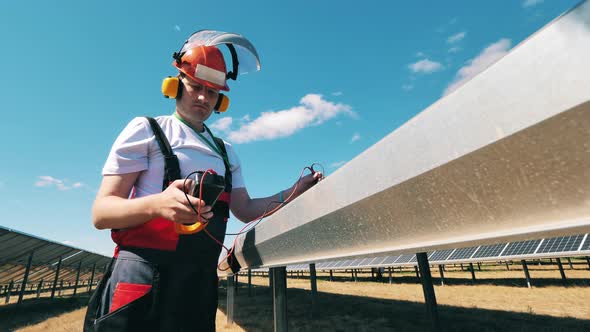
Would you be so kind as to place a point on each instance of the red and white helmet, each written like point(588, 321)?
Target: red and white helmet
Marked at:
point(204, 64)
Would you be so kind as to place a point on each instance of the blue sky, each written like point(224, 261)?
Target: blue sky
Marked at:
point(336, 77)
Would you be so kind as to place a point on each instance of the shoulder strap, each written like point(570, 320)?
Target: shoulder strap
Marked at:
point(172, 167)
point(228, 176)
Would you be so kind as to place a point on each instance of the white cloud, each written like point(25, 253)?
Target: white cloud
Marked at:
point(531, 3)
point(355, 137)
point(177, 28)
point(312, 111)
point(425, 66)
point(454, 49)
point(337, 164)
point(407, 87)
point(222, 124)
point(49, 181)
point(456, 37)
point(420, 54)
point(476, 65)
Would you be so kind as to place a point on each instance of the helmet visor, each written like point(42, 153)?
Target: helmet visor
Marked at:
point(247, 55)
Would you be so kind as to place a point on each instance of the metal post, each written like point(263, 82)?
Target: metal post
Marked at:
point(77, 278)
point(352, 274)
point(61, 287)
point(9, 291)
point(390, 276)
point(25, 278)
point(279, 292)
point(428, 289)
point(561, 269)
point(479, 266)
point(472, 271)
point(417, 272)
point(588, 261)
point(526, 273)
point(56, 277)
point(332, 277)
point(462, 269)
point(39, 286)
point(249, 282)
point(91, 278)
point(236, 282)
point(569, 260)
point(270, 281)
point(441, 269)
point(355, 275)
point(314, 288)
point(230, 299)
point(507, 267)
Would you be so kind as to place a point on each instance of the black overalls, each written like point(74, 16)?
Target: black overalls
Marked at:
point(149, 289)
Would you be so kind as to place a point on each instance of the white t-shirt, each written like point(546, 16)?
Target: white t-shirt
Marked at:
point(136, 149)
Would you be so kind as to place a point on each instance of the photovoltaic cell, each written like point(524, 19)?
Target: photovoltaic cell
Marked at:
point(560, 244)
point(365, 261)
point(493, 250)
point(521, 248)
point(441, 255)
point(463, 253)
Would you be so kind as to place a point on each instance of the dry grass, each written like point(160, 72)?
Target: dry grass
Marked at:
point(498, 300)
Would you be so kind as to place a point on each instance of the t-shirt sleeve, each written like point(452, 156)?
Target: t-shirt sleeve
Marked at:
point(130, 151)
point(236, 167)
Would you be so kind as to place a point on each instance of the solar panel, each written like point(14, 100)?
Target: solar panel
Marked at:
point(441, 255)
point(405, 258)
point(365, 261)
point(463, 253)
point(560, 244)
point(377, 260)
point(586, 245)
point(355, 262)
point(493, 250)
point(521, 248)
point(390, 259)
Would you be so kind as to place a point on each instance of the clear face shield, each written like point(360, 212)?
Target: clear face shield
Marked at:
point(244, 56)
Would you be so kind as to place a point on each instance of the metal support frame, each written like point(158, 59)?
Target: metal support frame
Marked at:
point(39, 287)
point(561, 271)
point(236, 282)
point(77, 277)
point(417, 272)
point(569, 260)
point(588, 261)
point(279, 292)
point(428, 289)
point(9, 290)
point(25, 278)
point(526, 273)
point(441, 270)
point(314, 288)
point(332, 275)
point(472, 271)
point(91, 278)
point(507, 266)
point(390, 275)
point(56, 277)
point(230, 299)
point(479, 266)
point(249, 282)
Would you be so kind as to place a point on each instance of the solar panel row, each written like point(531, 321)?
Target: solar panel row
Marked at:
point(572, 245)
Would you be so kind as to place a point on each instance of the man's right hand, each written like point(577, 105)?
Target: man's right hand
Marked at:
point(172, 204)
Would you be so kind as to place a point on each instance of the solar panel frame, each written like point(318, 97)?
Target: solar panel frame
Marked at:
point(441, 255)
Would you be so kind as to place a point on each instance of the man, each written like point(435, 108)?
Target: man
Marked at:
point(160, 279)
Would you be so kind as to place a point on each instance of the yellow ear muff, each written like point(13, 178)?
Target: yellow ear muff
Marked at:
point(171, 87)
point(222, 104)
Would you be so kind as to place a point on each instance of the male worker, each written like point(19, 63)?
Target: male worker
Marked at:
point(164, 274)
